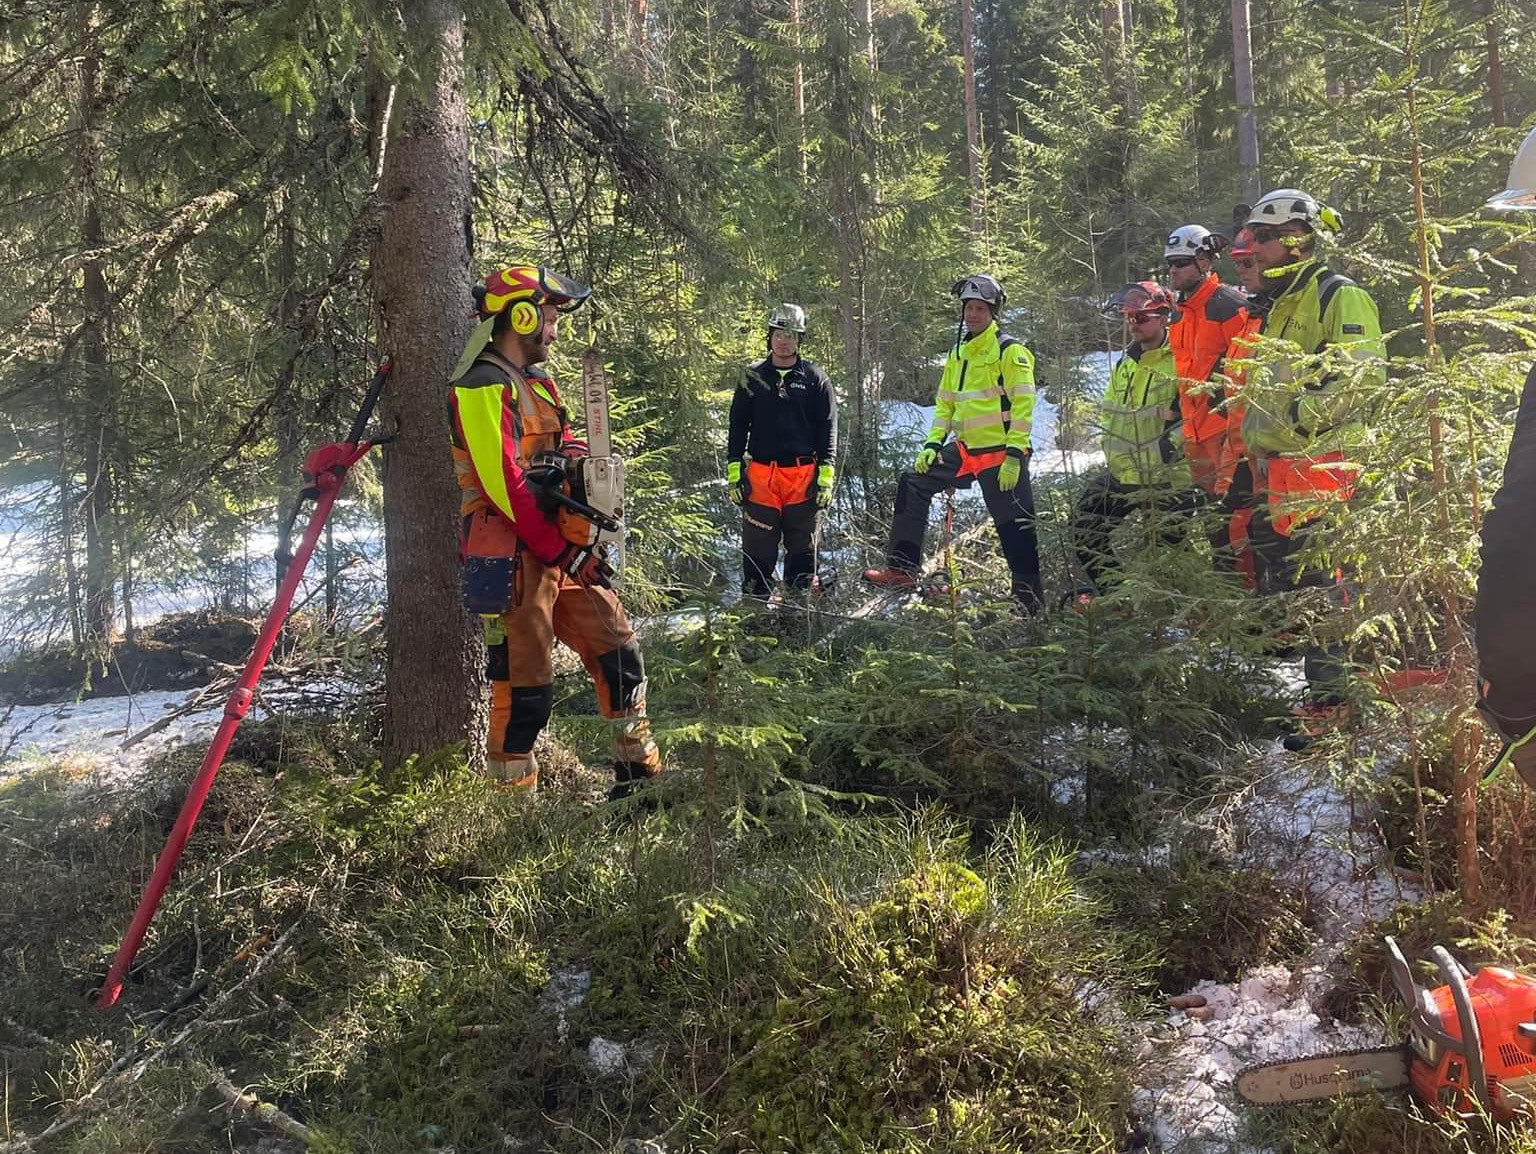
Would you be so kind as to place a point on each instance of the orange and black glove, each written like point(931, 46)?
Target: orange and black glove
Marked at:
point(585, 566)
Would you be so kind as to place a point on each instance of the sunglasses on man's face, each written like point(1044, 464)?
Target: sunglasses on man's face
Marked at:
point(1243, 262)
point(1180, 261)
point(1263, 233)
point(1145, 316)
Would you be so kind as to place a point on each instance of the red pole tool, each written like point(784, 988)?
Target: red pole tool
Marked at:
point(325, 469)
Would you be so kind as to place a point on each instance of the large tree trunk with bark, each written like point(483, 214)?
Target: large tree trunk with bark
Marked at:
point(434, 657)
point(972, 120)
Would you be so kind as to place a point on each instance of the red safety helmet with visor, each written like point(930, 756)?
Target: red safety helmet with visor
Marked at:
point(1140, 301)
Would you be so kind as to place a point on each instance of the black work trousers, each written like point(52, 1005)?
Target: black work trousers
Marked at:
point(1105, 502)
point(1013, 514)
point(1279, 568)
point(763, 529)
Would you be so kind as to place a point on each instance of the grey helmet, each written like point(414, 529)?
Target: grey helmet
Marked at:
point(787, 316)
point(981, 287)
point(1521, 193)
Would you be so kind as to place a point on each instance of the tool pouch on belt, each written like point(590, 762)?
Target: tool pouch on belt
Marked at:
point(490, 560)
point(489, 584)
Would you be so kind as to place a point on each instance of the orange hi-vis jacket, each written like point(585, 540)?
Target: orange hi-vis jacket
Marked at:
point(1232, 449)
point(502, 419)
point(1209, 318)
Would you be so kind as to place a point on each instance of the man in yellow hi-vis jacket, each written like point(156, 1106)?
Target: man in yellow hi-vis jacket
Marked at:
point(986, 399)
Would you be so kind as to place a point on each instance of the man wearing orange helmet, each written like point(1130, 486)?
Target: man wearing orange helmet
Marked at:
point(529, 584)
point(1141, 427)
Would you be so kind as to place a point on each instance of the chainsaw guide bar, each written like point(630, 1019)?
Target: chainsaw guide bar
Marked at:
point(1324, 1075)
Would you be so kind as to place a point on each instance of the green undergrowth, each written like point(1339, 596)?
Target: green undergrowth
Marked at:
point(1203, 920)
point(1385, 1123)
point(374, 954)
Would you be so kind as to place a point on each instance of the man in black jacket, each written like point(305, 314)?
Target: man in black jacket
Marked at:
point(1506, 587)
point(784, 421)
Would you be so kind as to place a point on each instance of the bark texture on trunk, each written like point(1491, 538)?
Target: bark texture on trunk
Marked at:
point(433, 692)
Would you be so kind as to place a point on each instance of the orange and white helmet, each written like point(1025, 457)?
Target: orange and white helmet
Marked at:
point(1521, 192)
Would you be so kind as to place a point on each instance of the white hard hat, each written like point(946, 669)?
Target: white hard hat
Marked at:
point(1521, 192)
point(1284, 205)
point(1189, 240)
point(980, 287)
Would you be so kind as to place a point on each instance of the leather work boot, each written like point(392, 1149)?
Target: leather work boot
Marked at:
point(889, 578)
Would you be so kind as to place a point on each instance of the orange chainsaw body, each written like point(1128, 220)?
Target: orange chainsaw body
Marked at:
point(1504, 1007)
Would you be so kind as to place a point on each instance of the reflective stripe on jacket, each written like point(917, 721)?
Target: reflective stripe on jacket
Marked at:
point(986, 396)
point(501, 420)
point(1208, 319)
point(1308, 401)
point(1139, 419)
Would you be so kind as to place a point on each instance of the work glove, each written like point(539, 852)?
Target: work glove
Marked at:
point(926, 456)
point(1010, 470)
point(826, 477)
point(735, 484)
point(573, 449)
point(584, 566)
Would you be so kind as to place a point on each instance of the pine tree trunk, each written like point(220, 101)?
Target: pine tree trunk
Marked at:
point(1247, 116)
point(797, 91)
point(433, 689)
point(97, 400)
point(67, 536)
point(287, 419)
point(1495, 69)
point(1463, 742)
point(972, 121)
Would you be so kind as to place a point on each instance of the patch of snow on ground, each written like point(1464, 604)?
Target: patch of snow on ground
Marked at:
point(1308, 829)
point(1266, 1017)
point(91, 733)
point(607, 1057)
point(566, 990)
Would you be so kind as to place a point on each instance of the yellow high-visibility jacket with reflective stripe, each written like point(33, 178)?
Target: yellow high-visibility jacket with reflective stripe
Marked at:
point(1309, 400)
point(1140, 422)
point(986, 396)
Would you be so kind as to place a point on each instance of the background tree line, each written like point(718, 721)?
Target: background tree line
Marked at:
point(217, 214)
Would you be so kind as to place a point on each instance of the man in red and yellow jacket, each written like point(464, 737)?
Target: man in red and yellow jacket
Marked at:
point(530, 585)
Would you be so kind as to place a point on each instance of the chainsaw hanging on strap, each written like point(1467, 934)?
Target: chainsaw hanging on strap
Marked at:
point(584, 494)
point(1470, 1050)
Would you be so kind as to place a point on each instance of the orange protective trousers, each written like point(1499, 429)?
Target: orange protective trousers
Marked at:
point(549, 607)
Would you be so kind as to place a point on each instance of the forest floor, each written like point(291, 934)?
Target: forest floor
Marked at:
point(565, 975)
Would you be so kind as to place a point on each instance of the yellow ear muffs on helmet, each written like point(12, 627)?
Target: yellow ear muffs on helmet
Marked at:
point(524, 317)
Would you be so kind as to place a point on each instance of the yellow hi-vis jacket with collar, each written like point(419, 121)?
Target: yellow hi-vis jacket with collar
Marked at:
point(986, 396)
point(1139, 419)
point(1307, 400)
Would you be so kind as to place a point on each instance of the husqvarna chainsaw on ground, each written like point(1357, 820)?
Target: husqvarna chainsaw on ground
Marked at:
point(1470, 1050)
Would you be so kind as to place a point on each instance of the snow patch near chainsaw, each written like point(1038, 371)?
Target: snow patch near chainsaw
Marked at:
point(1300, 823)
point(1268, 1016)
